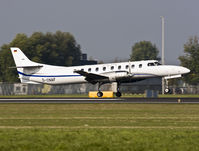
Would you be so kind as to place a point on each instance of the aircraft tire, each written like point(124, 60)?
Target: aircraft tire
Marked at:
point(99, 94)
point(118, 94)
point(167, 90)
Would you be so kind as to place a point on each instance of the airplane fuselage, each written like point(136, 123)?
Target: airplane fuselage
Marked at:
point(116, 72)
point(33, 72)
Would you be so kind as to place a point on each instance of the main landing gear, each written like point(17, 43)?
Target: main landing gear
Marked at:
point(100, 93)
point(118, 93)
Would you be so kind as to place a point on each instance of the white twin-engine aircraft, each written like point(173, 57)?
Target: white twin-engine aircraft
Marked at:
point(123, 72)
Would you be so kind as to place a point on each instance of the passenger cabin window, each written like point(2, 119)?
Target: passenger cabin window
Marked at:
point(82, 69)
point(89, 70)
point(132, 66)
point(97, 69)
point(127, 66)
point(104, 68)
point(140, 65)
point(119, 67)
point(112, 67)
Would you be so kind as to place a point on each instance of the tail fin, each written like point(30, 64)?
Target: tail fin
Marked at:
point(24, 65)
point(20, 58)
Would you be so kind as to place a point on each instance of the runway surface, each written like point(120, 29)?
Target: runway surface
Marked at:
point(99, 100)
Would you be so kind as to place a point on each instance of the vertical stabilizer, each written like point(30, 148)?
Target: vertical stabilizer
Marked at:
point(24, 65)
point(20, 58)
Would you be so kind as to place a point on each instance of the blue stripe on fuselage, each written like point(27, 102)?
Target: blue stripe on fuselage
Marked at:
point(31, 75)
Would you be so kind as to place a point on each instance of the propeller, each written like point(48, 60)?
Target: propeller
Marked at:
point(129, 67)
point(130, 73)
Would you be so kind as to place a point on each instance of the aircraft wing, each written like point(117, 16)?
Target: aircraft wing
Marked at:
point(91, 77)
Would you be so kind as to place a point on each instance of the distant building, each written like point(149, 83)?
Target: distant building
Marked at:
point(84, 60)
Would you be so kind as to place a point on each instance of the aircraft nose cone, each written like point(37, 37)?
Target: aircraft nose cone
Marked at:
point(185, 70)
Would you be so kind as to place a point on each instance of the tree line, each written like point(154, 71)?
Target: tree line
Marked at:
point(61, 48)
point(58, 48)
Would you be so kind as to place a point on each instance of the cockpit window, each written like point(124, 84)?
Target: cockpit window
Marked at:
point(157, 63)
point(154, 64)
point(151, 64)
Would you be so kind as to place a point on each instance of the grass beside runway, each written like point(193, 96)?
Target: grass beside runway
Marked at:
point(98, 140)
point(99, 127)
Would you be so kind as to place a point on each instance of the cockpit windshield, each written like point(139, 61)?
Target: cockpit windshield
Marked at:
point(154, 64)
point(151, 64)
point(157, 63)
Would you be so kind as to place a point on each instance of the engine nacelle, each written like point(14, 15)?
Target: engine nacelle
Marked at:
point(115, 76)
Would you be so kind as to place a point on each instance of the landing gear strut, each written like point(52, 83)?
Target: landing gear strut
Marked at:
point(167, 90)
point(99, 93)
point(118, 93)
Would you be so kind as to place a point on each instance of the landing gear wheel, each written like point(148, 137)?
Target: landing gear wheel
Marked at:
point(99, 94)
point(167, 90)
point(118, 94)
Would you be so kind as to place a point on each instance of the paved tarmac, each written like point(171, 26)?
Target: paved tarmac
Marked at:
point(99, 100)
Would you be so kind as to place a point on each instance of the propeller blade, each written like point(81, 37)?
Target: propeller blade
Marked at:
point(130, 67)
point(130, 72)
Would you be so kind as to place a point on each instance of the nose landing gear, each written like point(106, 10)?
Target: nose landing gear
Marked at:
point(167, 90)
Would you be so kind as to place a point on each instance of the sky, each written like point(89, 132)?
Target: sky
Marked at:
point(105, 29)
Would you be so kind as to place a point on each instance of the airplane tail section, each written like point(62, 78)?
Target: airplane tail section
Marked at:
point(20, 58)
point(24, 65)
